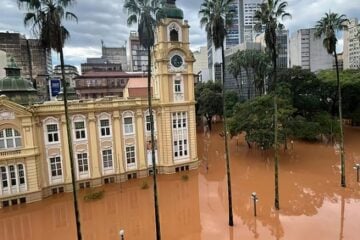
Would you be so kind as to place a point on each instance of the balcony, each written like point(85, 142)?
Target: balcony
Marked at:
point(18, 153)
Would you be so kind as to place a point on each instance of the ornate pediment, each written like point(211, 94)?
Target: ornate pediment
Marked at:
point(9, 110)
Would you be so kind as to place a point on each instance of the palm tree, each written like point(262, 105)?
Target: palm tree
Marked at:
point(45, 18)
point(235, 69)
point(268, 17)
point(216, 16)
point(327, 26)
point(148, 14)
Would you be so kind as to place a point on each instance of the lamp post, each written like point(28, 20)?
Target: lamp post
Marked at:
point(122, 234)
point(357, 168)
point(255, 199)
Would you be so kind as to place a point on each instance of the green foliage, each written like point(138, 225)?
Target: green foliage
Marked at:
point(144, 185)
point(185, 177)
point(94, 195)
point(231, 99)
point(256, 119)
point(209, 98)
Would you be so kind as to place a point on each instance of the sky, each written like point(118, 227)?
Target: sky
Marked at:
point(106, 20)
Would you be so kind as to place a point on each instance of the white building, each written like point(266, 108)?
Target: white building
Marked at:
point(2, 64)
point(308, 52)
point(201, 64)
point(352, 45)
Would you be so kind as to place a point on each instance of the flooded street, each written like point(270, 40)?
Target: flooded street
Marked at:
point(312, 203)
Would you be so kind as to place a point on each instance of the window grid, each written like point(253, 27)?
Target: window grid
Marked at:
point(80, 130)
point(83, 163)
point(177, 86)
point(107, 159)
point(12, 175)
point(21, 174)
point(52, 133)
point(4, 179)
point(130, 155)
point(105, 127)
point(55, 167)
point(180, 141)
point(128, 125)
point(9, 138)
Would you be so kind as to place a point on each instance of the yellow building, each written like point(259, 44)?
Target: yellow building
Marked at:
point(111, 136)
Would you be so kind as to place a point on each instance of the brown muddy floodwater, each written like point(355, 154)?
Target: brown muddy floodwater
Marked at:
point(313, 205)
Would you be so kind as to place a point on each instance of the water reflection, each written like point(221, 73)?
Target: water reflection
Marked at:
point(312, 202)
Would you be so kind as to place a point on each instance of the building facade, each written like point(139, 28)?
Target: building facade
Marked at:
point(111, 137)
point(201, 69)
point(308, 52)
point(137, 54)
point(351, 54)
point(71, 73)
point(33, 59)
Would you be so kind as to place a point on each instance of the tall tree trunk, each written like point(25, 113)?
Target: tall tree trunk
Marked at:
point(70, 145)
point(238, 85)
point(342, 154)
point(156, 204)
point(231, 221)
point(277, 201)
point(30, 64)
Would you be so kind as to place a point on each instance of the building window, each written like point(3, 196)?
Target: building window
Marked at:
point(9, 138)
point(52, 133)
point(105, 127)
point(128, 125)
point(107, 159)
point(177, 86)
point(12, 175)
point(21, 174)
point(4, 178)
point(83, 163)
point(55, 167)
point(148, 123)
point(130, 156)
point(80, 130)
point(174, 35)
point(180, 135)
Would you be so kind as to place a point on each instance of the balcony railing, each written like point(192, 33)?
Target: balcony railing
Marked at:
point(18, 153)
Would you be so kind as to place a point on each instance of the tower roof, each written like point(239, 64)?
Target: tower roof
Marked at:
point(171, 11)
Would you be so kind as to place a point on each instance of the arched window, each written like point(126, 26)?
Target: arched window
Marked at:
point(174, 35)
point(9, 138)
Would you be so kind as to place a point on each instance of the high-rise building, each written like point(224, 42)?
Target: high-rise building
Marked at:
point(282, 41)
point(32, 58)
point(137, 54)
point(247, 9)
point(352, 45)
point(308, 52)
point(201, 69)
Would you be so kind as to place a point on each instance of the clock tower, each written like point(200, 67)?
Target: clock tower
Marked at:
point(173, 85)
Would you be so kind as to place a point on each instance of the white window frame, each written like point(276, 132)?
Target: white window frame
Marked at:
point(131, 126)
point(128, 152)
point(102, 117)
point(147, 121)
point(16, 174)
point(51, 121)
point(178, 88)
point(180, 135)
point(103, 159)
point(78, 119)
point(84, 173)
point(57, 178)
point(53, 134)
point(14, 138)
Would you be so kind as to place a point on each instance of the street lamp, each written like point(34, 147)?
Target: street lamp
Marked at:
point(255, 199)
point(122, 234)
point(357, 168)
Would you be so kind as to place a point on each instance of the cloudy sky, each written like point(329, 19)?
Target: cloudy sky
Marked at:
point(106, 20)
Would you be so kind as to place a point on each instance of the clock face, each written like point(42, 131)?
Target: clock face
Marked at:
point(176, 61)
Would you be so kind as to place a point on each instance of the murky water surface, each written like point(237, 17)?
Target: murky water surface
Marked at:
point(313, 205)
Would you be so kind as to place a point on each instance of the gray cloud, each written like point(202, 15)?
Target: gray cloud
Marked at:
point(106, 20)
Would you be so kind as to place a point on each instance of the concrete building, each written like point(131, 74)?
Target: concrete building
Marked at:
point(71, 73)
point(352, 45)
point(241, 85)
point(100, 67)
point(137, 54)
point(3, 61)
point(340, 58)
point(201, 69)
point(282, 39)
point(33, 60)
point(308, 52)
point(111, 136)
point(247, 9)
